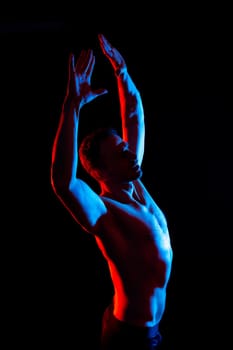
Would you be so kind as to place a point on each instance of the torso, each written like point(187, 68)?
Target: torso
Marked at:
point(136, 244)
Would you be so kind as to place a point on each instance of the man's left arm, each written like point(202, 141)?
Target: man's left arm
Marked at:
point(132, 113)
point(131, 108)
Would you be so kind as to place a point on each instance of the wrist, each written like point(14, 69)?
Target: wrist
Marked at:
point(71, 104)
point(120, 71)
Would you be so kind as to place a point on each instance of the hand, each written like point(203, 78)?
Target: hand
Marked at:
point(114, 56)
point(79, 88)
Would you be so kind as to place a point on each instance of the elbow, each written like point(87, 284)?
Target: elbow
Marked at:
point(59, 185)
point(54, 184)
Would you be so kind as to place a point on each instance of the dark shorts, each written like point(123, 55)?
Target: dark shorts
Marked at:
point(118, 335)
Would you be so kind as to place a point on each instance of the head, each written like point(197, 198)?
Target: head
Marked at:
point(89, 150)
point(105, 156)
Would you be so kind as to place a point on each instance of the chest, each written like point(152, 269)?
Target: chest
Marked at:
point(136, 233)
point(136, 220)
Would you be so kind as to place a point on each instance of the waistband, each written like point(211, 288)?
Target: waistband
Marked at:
point(110, 320)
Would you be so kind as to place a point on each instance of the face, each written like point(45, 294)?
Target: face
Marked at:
point(120, 164)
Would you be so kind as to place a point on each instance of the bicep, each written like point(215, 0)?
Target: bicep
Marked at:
point(134, 135)
point(84, 205)
point(132, 115)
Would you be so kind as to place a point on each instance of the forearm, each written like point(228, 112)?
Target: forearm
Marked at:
point(129, 97)
point(64, 152)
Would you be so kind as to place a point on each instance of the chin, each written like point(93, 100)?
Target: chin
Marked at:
point(137, 175)
point(140, 174)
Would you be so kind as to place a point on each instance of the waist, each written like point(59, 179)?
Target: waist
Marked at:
point(142, 311)
point(146, 331)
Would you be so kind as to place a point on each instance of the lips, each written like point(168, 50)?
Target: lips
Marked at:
point(136, 167)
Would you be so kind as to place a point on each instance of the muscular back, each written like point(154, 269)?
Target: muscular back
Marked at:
point(134, 239)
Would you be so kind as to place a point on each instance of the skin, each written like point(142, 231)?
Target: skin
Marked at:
point(129, 228)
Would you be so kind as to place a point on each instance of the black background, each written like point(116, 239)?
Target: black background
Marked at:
point(57, 283)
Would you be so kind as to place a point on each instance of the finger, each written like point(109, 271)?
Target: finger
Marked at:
point(71, 65)
point(105, 45)
point(100, 92)
point(86, 61)
point(100, 38)
point(89, 60)
point(103, 40)
point(80, 59)
point(90, 66)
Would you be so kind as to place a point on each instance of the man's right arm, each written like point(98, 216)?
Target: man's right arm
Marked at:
point(79, 199)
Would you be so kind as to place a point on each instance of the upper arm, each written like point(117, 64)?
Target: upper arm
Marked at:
point(132, 115)
point(133, 127)
point(84, 205)
point(134, 135)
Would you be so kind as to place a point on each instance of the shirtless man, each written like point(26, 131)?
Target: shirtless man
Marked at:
point(129, 228)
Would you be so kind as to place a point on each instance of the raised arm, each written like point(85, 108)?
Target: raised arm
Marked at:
point(74, 193)
point(131, 108)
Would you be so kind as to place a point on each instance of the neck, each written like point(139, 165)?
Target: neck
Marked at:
point(117, 191)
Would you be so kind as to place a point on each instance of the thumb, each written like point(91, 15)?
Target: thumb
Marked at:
point(71, 65)
point(100, 92)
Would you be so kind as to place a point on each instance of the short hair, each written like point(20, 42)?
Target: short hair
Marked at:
point(89, 149)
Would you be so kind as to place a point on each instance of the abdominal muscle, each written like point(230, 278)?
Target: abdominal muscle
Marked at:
point(136, 246)
point(140, 294)
point(140, 311)
point(140, 272)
